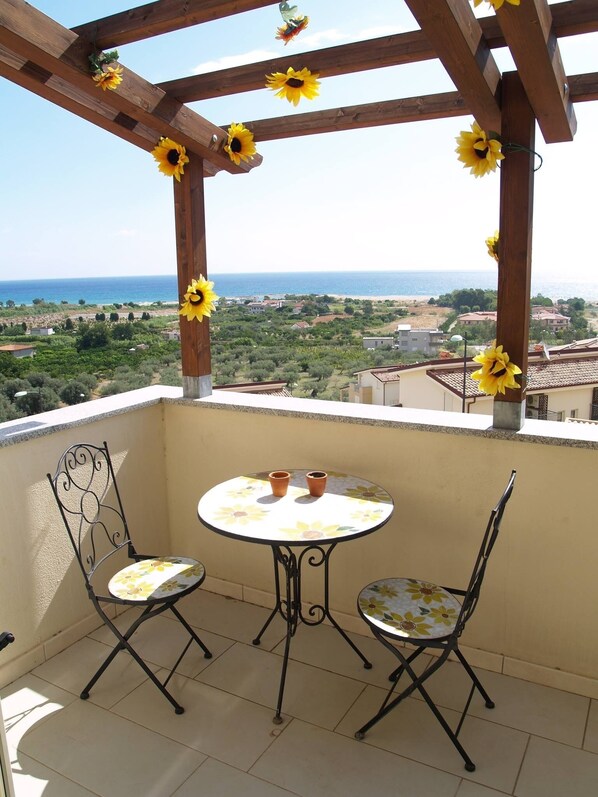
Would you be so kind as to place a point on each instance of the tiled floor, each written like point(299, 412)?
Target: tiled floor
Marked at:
point(126, 741)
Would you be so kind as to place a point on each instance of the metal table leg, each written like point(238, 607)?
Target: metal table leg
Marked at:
point(289, 607)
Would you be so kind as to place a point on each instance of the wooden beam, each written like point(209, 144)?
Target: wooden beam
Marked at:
point(190, 225)
point(38, 39)
point(583, 88)
point(410, 109)
point(515, 248)
point(402, 48)
point(163, 16)
point(49, 87)
point(457, 38)
point(533, 44)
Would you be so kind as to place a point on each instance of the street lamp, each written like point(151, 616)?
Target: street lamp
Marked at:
point(461, 339)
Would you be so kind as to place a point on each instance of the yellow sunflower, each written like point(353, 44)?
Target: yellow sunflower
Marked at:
point(477, 151)
point(291, 29)
point(492, 244)
point(293, 85)
point(497, 372)
point(496, 4)
point(240, 144)
point(171, 157)
point(199, 299)
point(110, 79)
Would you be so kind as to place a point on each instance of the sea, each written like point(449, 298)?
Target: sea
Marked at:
point(163, 288)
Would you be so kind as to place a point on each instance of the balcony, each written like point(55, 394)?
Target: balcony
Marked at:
point(532, 634)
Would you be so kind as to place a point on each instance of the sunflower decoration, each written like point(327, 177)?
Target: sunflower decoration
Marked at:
point(478, 150)
point(496, 4)
point(240, 144)
point(293, 84)
point(199, 299)
point(497, 371)
point(294, 23)
point(171, 157)
point(492, 244)
point(104, 75)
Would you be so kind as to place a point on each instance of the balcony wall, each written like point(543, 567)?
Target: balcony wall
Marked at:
point(444, 471)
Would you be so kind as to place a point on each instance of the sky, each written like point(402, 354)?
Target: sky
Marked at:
point(77, 201)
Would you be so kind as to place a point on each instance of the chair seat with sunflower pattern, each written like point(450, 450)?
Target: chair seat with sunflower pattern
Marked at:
point(408, 608)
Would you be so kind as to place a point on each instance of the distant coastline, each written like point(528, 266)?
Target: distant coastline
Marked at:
point(379, 285)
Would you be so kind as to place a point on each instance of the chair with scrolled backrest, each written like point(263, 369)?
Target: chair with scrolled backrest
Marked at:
point(86, 491)
point(427, 616)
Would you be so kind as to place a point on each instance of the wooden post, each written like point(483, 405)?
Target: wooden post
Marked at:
point(515, 244)
point(190, 226)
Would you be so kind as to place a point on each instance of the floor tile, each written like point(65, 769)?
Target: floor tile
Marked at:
point(413, 731)
point(313, 762)
point(215, 779)
point(311, 694)
point(32, 779)
point(556, 770)
point(72, 669)
point(591, 739)
point(532, 708)
point(217, 723)
point(323, 646)
point(161, 640)
point(231, 618)
point(109, 755)
point(469, 789)
point(26, 703)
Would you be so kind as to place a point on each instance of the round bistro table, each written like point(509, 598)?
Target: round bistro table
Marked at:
point(300, 530)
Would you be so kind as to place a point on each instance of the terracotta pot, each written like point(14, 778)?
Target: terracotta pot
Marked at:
point(316, 482)
point(279, 482)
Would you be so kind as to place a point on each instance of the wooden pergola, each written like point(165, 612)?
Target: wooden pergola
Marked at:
point(41, 55)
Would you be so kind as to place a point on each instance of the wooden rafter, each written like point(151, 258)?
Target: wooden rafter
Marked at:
point(402, 48)
point(409, 109)
point(533, 44)
point(56, 90)
point(459, 43)
point(570, 18)
point(44, 43)
point(159, 17)
point(583, 88)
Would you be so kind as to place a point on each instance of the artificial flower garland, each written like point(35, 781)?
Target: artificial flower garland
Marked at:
point(293, 23)
point(199, 299)
point(497, 371)
point(294, 84)
point(496, 4)
point(480, 151)
point(105, 76)
point(492, 244)
point(240, 145)
point(171, 157)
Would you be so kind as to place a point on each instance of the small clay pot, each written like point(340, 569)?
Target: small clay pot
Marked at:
point(316, 482)
point(279, 482)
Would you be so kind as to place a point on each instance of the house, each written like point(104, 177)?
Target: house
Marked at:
point(547, 316)
point(477, 317)
point(377, 343)
point(256, 307)
point(300, 325)
point(560, 384)
point(276, 388)
point(18, 349)
point(42, 331)
point(428, 341)
point(171, 334)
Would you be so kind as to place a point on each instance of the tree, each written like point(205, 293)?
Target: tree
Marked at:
point(145, 316)
point(74, 393)
point(123, 331)
point(113, 316)
point(81, 302)
point(38, 301)
point(68, 324)
point(92, 336)
point(131, 316)
point(100, 316)
point(10, 303)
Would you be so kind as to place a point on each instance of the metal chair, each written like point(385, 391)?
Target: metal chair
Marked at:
point(428, 616)
point(87, 494)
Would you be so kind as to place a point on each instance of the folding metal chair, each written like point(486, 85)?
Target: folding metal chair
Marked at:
point(87, 494)
point(427, 616)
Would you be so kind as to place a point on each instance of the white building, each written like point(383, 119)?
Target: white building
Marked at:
point(560, 386)
point(378, 343)
point(428, 341)
point(43, 331)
